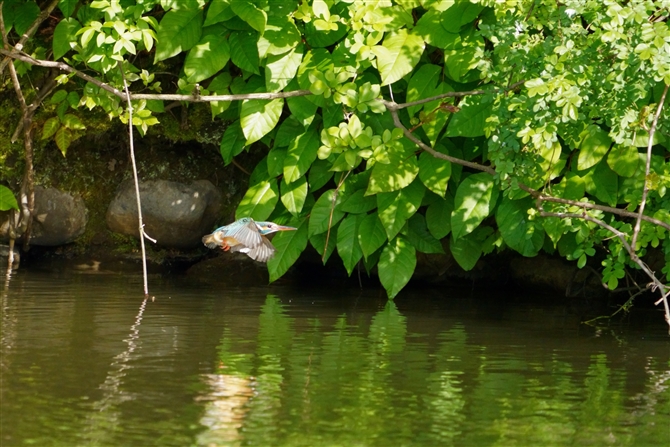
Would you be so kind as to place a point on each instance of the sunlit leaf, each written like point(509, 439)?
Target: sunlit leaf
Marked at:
point(63, 139)
point(289, 245)
point(595, 144)
point(281, 69)
point(396, 207)
point(623, 160)
point(7, 199)
point(50, 127)
point(434, 173)
point(206, 58)
point(259, 201)
point(293, 195)
point(248, 12)
point(179, 30)
point(470, 120)
point(396, 265)
point(474, 201)
point(258, 117)
point(398, 55)
point(301, 154)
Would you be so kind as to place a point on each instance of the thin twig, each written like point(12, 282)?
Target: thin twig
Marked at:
point(657, 284)
point(645, 189)
point(137, 183)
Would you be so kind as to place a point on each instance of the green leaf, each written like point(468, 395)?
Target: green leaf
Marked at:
point(606, 184)
point(73, 122)
point(248, 12)
point(259, 117)
point(218, 11)
point(58, 96)
point(50, 127)
point(623, 160)
point(347, 242)
point(522, 235)
point(63, 139)
point(64, 37)
point(434, 172)
point(396, 207)
point(422, 85)
point(293, 195)
point(468, 249)
point(232, 142)
point(205, 59)
point(289, 246)
point(393, 176)
point(398, 55)
point(67, 7)
point(595, 143)
point(358, 203)
point(320, 218)
point(420, 237)
point(396, 265)
point(318, 241)
point(281, 69)
point(287, 131)
point(276, 158)
point(470, 120)
point(301, 154)
point(7, 199)
point(26, 15)
point(179, 30)
point(244, 51)
point(371, 234)
point(319, 174)
point(438, 217)
point(259, 201)
point(474, 201)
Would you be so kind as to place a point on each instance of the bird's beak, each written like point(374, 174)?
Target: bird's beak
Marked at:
point(283, 228)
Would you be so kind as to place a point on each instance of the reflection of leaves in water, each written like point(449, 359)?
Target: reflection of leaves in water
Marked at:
point(371, 381)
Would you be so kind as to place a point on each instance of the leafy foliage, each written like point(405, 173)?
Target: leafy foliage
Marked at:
point(552, 98)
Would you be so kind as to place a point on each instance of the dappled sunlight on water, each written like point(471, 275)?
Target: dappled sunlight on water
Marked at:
point(86, 360)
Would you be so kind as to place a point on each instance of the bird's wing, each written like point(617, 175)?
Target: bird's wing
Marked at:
point(260, 253)
point(246, 235)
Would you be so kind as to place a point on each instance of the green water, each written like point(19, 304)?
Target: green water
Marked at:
point(86, 362)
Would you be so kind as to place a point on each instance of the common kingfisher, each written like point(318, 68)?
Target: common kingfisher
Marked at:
point(246, 236)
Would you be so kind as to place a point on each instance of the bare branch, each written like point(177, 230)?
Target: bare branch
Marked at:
point(393, 108)
point(645, 190)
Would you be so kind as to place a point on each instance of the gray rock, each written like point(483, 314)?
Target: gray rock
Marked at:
point(58, 218)
point(174, 214)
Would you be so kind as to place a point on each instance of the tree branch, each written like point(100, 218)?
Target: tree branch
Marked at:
point(645, 190)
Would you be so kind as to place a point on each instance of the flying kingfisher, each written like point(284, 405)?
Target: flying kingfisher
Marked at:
point(246, 236)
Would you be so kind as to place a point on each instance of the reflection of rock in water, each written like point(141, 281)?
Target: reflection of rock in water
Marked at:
point(225, 410)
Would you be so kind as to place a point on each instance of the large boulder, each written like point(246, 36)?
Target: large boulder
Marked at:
point(58, 217)
point(175, 214)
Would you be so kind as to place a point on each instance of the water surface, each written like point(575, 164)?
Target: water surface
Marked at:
point(86, 361)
